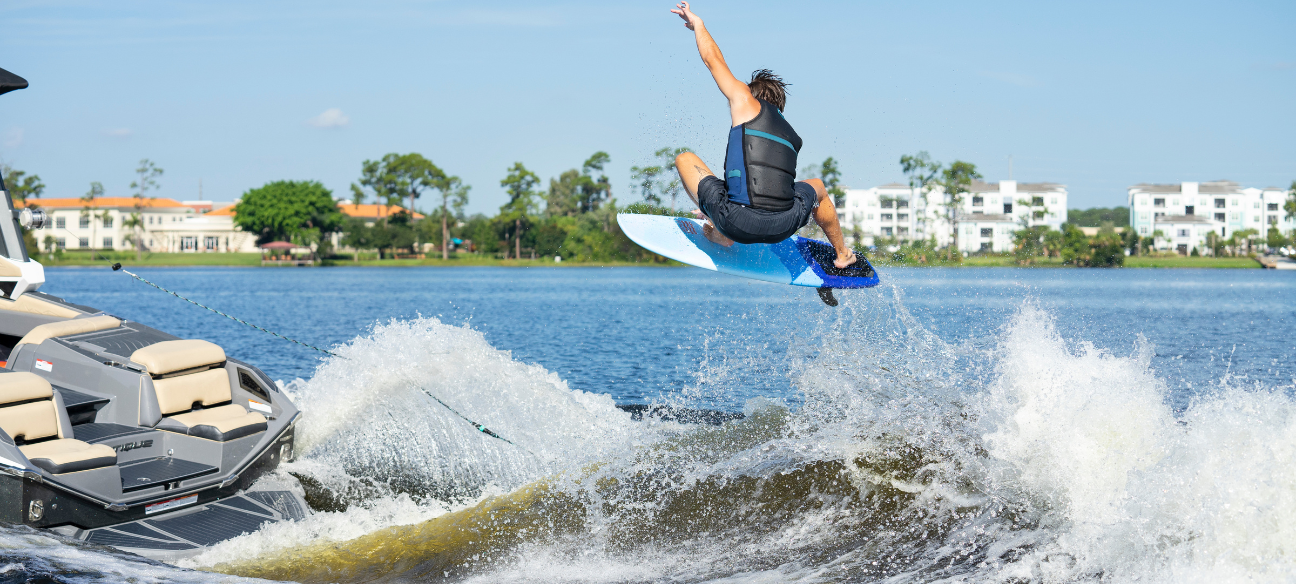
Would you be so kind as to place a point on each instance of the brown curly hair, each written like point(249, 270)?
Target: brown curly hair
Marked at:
point(766, 85)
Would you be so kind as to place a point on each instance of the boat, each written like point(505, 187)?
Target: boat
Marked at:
point(119, 434)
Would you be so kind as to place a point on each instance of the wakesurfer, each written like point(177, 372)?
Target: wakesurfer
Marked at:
point(759, 200)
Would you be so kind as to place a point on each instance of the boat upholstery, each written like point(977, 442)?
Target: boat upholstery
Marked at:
point(30, 411)
point(75, 326)
point(223, 423)
point(189, 386)
point(172, 356)
point(33, 305)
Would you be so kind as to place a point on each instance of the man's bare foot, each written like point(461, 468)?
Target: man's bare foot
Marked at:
point(843, 263)
point(715, 236)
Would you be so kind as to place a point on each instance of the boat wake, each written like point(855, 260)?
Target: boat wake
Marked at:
point(1022, 457)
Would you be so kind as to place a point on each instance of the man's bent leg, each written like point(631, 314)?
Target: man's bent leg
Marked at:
point(691, 171)
point(826, 216)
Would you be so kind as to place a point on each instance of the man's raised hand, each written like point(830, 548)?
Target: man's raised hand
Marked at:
point(682, 9)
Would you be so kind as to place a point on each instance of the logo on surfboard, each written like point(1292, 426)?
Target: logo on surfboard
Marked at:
point(687, 226)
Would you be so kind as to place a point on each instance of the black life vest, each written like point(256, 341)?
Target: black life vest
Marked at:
point(761, 159)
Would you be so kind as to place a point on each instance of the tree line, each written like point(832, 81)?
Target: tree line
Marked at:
point(575, 216)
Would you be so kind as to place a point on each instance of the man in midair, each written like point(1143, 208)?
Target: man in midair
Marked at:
point(758, 200)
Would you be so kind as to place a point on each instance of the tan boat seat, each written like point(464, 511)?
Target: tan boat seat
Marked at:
point(193, 397)
point(173, 356)
point(29, 412)
point(64, 328)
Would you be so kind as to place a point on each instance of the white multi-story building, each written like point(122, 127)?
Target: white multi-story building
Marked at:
point(987, 218)
point(1187, 212)
point(169, 225)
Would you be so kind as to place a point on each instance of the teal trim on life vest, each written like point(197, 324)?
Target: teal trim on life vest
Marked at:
point(734, 173)
point(760, 134)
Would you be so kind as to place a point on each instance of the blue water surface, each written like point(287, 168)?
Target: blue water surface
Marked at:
point(643, 333)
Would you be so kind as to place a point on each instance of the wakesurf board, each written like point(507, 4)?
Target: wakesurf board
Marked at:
point(797, 260)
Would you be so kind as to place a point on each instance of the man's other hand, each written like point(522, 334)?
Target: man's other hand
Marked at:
point(682, 9)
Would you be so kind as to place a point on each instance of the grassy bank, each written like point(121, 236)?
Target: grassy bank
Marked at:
point(75, 258)
point(1008, 261)
point(1190, 262)
point(465, 260)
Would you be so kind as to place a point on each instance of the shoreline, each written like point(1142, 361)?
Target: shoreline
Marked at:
point(190, 260)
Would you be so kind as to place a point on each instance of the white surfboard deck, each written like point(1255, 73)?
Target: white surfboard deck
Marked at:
point(797, 260)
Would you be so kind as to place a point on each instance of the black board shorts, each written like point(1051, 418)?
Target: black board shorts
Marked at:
point(745, 224)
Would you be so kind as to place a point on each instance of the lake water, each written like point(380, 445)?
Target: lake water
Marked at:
point(984, 424)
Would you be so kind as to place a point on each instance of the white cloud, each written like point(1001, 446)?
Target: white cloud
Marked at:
point(331, 118)
point(13, 138)
point(118, 132)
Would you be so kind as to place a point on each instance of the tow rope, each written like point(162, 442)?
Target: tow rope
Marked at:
point(480, 428)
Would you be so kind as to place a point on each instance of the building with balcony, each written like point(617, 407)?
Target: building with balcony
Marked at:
point(987, 216)
point(1181, 215)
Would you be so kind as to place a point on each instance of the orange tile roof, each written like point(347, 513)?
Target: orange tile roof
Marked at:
point(223, 211)
point(103, 202)
point(372, 211)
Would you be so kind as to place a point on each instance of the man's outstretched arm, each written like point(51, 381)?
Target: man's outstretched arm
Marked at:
point(742, 106)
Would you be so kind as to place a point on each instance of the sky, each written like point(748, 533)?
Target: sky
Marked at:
point(230, 95)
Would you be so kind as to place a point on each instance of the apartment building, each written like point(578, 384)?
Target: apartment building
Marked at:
point(987, 217)
point(1182, 215)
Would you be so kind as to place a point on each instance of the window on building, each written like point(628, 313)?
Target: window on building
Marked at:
point(60, 243)
point(107, 243)
point(107, 222)
point(60, 222)
point(1157, 215)
point(1158, 202)
point(1190, 210)
point(1007, 208)
point(211, 242)
point(857, 216)
point(83, 242)
point(1255, 219)
point(1037, 201)
point(1236, 202)
point(1273, 206)
point(987, 232)
point(902, 231)
point(978, 212)
point(1142, 201)
point(1204, 202)
point(902, 217)
point(902, 204)
point(1219, 217)
point(1219, 203)
point(1174, 202)
point(886, 231)
point(1236, 217)
point(1053, 201)
point(887, 203)
point(1143, 230)
point(84, 222)
point(987, 246)
point(978, 201)
point(870, 216)
point(1183, 233)
point(189, 243)
point(1273, 219)
point(150, 219)
point(855, 203)
point(886, 216)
